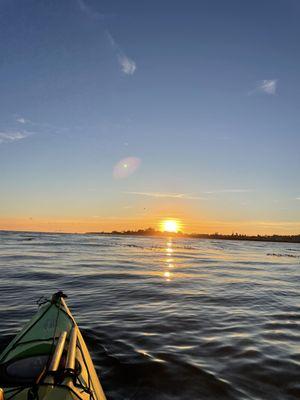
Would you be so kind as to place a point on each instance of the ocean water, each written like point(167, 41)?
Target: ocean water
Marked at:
point(167, 318)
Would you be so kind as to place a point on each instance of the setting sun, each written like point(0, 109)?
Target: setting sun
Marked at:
point(170, 225)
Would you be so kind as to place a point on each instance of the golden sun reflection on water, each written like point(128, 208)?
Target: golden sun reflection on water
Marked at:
point(169, 262)
point(169, 249)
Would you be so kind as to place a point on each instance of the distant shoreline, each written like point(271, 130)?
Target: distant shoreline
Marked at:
point(154, 233)
point(234, 236)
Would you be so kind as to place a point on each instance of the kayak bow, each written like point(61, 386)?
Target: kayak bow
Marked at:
point(49, 359)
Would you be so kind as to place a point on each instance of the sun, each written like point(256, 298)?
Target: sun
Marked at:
point(170, 225)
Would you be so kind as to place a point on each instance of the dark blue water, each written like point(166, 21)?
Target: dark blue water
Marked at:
point(167, 319)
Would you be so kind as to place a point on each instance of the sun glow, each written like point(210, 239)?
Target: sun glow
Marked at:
point(170, 225)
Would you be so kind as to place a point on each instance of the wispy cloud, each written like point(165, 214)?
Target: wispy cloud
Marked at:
point(267, 86)
point(41, 126)
point(91, 13)
point(128, 65)
point(167, 195)
point(6, 137)
point(187, 196)
point(23, 121)
point(229, 191)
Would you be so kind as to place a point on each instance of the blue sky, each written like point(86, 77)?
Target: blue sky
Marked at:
point(204, 94)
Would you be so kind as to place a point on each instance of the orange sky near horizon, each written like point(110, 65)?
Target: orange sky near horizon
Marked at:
point(83, 224)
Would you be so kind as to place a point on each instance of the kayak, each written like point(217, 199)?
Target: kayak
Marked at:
point(48, 359)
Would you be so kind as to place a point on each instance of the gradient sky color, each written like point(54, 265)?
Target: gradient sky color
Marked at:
point(117, 114)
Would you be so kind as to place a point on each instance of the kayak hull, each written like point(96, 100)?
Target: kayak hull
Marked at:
point(49, 359)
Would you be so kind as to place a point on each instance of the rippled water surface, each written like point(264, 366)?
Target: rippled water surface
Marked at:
point(167, 318)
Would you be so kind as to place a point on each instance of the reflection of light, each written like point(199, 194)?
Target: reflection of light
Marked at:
point(146, 354)
point(126, 167)
point(167, 274)
point(169, 249)
point(168, 260)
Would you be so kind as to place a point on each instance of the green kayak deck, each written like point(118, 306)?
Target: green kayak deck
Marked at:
point(49, 359)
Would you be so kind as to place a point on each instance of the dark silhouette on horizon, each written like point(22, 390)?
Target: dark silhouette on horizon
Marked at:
point(234, 236)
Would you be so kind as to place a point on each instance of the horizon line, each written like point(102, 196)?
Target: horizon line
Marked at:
point(124, 232)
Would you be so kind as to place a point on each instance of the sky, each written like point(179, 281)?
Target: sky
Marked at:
point(120, 114)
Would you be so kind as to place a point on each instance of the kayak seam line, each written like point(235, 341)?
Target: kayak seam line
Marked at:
point(90, 384)
point(64, 311)
point(37, 340)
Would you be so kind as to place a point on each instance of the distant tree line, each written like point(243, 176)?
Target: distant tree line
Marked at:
point(233, 236)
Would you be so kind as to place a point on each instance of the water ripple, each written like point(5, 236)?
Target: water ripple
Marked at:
point(167, 319)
